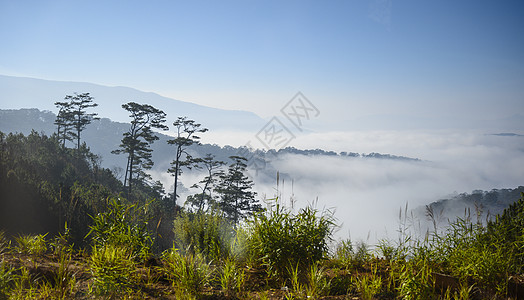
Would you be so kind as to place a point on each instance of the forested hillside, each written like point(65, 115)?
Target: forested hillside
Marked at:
point(479, 205)
point(104, 135)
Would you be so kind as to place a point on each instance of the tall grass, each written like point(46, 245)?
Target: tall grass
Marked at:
point(113, 269)
point(31, 244)
point(188, 272)
point(5, 243)
point(278, 248)
point(206, 233)
point(7, 280)
point(278, 239)
point(232, 277)
point(121, 226)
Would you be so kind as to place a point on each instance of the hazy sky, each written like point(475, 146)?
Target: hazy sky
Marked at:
point(351, 58)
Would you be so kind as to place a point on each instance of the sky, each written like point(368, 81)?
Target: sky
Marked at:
point(376, 59)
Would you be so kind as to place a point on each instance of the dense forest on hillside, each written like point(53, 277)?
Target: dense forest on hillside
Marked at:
point(71, 228)
point(482, 205)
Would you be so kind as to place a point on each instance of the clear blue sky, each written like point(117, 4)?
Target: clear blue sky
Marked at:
point(351, 58)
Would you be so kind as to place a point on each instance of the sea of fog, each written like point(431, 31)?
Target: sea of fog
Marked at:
point(366, 194)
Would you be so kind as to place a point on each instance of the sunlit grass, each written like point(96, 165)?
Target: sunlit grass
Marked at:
point(31, 244)
point(267, 257)
point(188, 272)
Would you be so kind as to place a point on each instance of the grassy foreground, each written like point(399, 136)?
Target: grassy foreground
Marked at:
point(278, 254)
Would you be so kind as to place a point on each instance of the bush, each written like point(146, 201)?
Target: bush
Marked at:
point(279, 239)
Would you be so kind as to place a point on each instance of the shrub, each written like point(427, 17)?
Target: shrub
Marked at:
point(279, 239)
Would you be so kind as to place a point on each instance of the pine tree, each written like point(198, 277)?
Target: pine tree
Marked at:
point(206, 185)
point(137, 141)
point(63, 122)
point(79, 104)
point(237, 200)
point(72, 117)
point(185, 137)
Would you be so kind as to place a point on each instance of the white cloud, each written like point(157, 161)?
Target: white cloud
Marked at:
point(368, 193)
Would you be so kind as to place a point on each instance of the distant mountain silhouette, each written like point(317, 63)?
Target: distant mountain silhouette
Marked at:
point(20, 92)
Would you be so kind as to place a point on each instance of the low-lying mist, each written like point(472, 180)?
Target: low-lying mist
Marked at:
point(366, 194)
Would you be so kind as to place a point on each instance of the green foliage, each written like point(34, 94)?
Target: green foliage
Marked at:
point(113, 267)
point(7, 280)
point(279, 239)
point(122, 226)
point(231, 277)
point(465, 252)
point(31, 244)
point(237, 200)
point(205, 233)
point(186, 131)
point(188, 272)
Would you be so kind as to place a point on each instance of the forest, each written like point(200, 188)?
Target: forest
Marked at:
point(72, 229)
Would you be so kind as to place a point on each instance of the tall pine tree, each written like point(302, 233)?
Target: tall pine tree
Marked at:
point(206, 185)
point(237, 200)
point(186, 131)
point(138, 139)
point(80, 118)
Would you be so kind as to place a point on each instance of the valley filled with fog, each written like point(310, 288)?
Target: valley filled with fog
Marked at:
point(366, 194)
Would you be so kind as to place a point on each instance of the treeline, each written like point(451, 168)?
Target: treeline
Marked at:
point(483, 205)
point(44, 184)
point(104, 135)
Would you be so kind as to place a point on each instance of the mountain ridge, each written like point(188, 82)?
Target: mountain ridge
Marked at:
point(26, 92)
